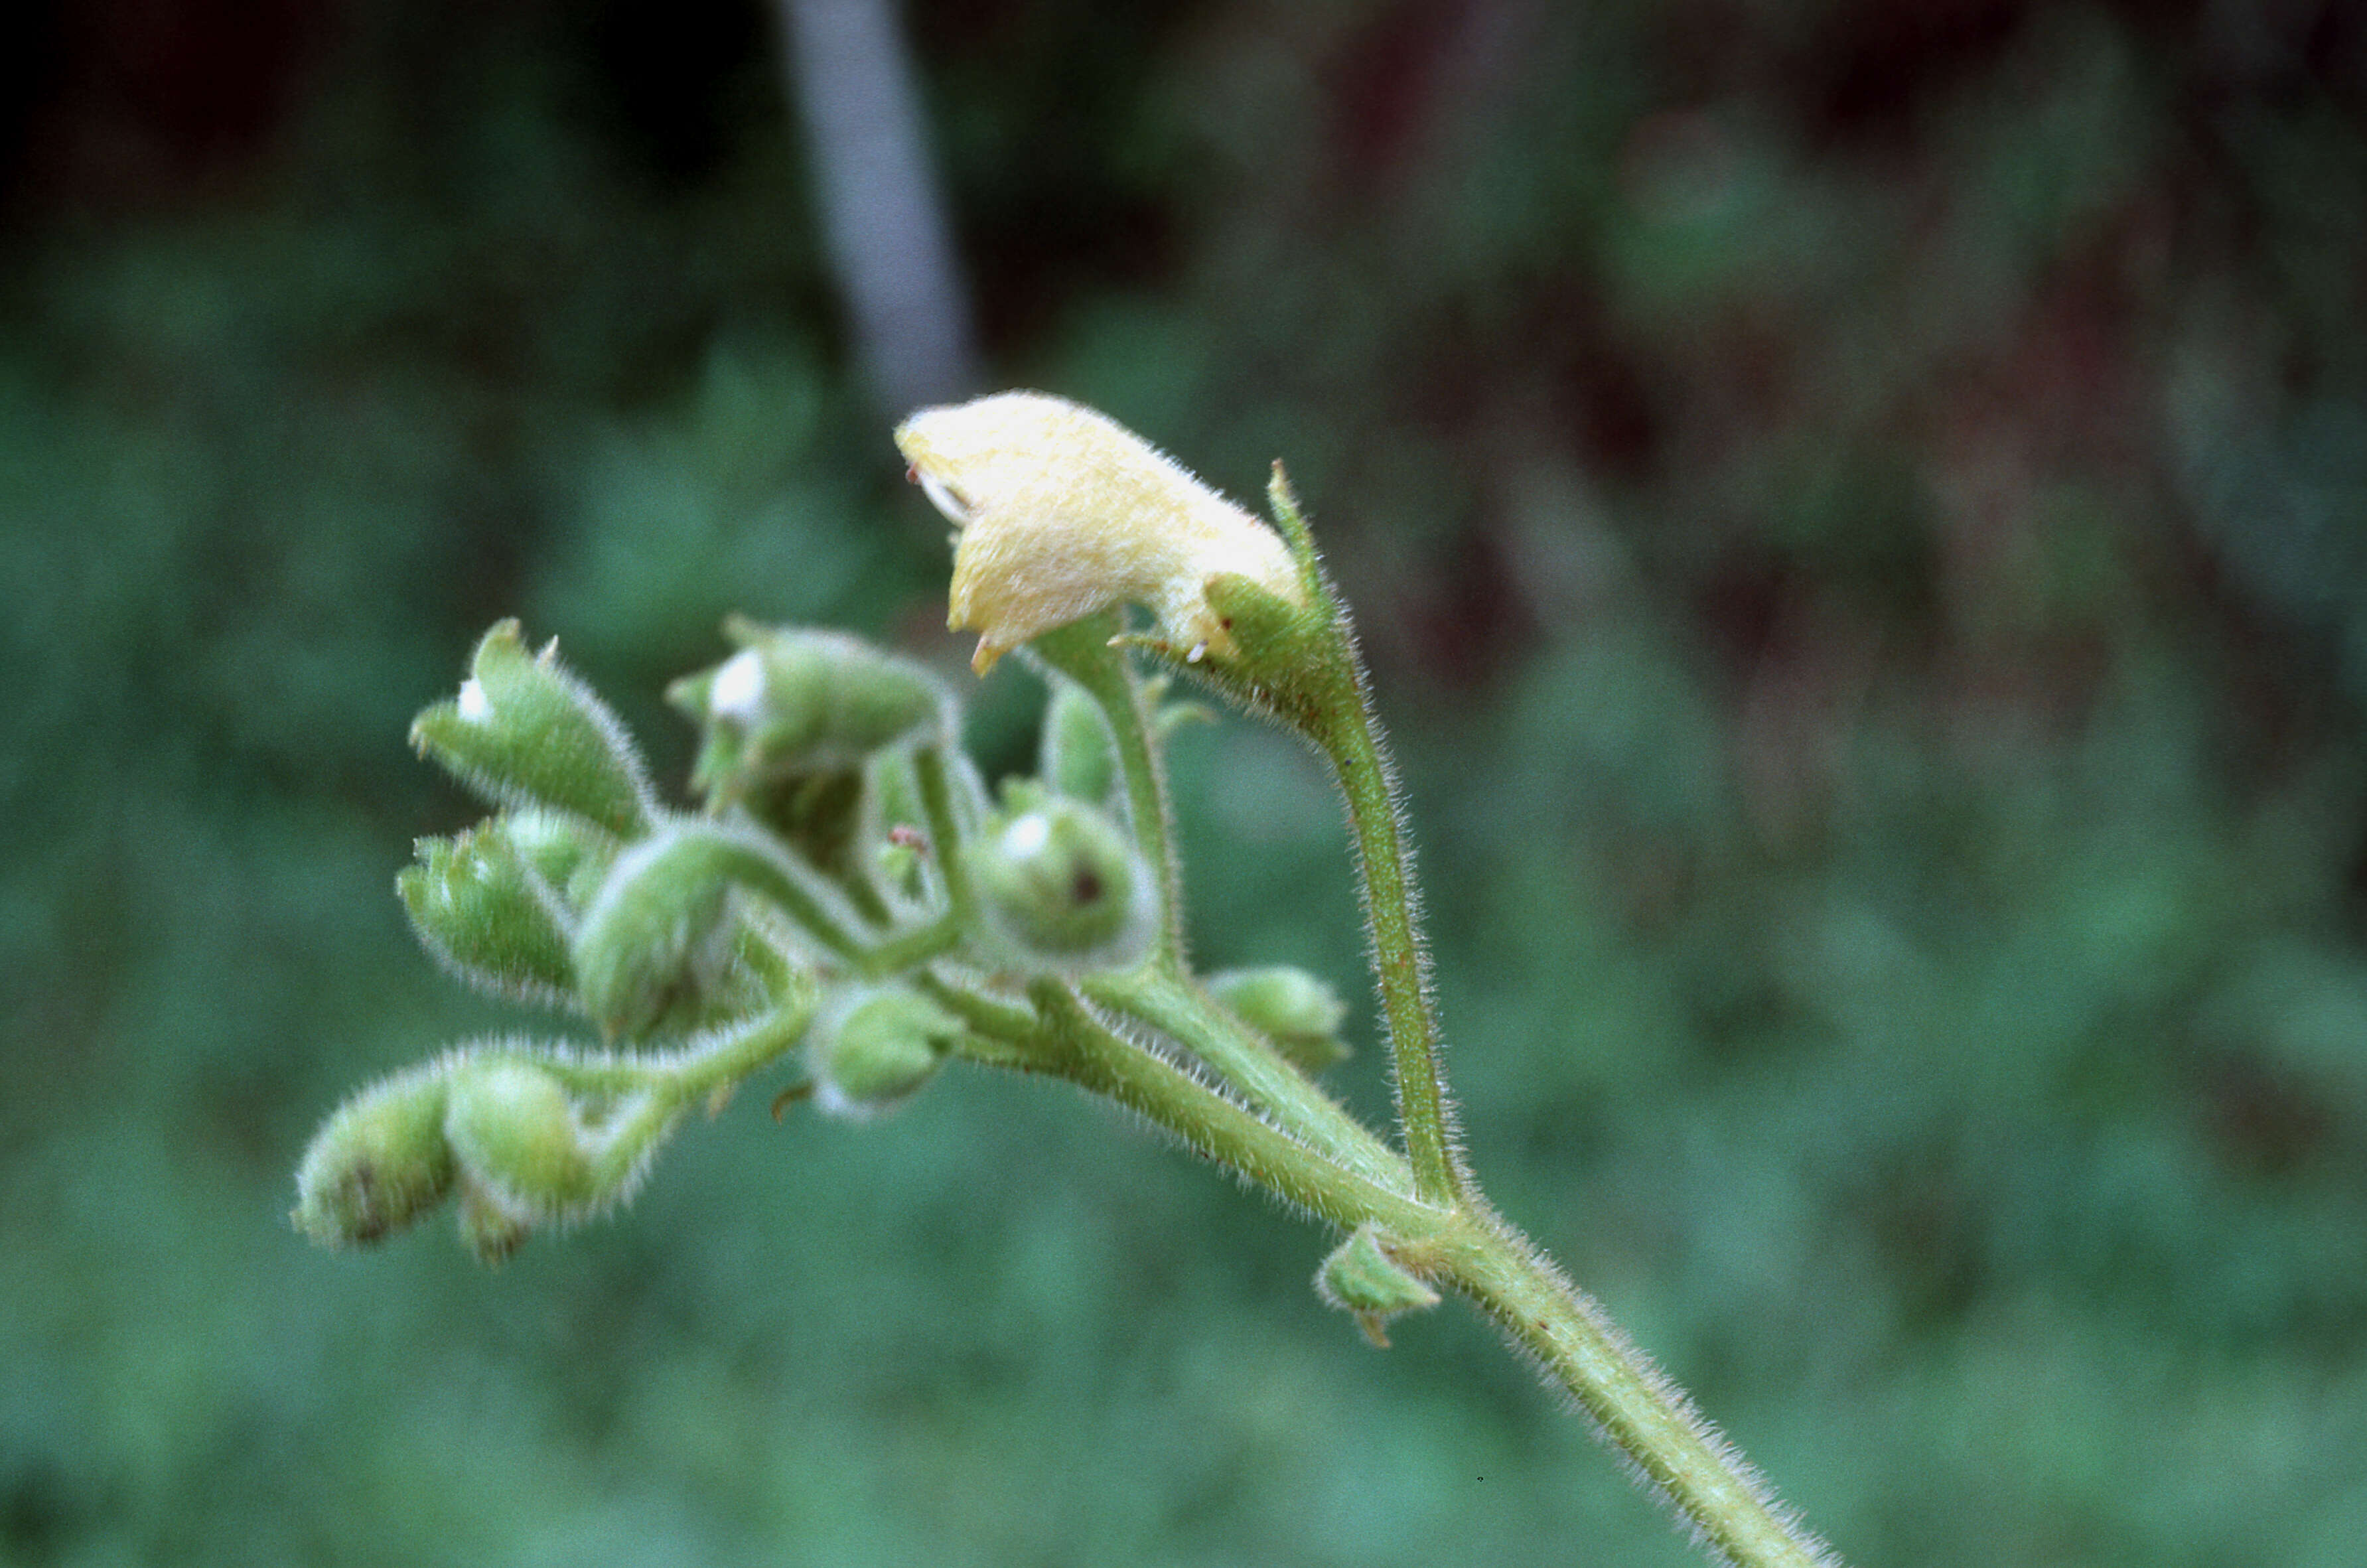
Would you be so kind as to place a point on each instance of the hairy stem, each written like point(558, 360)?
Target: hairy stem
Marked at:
point(1344, 728)
point(1695, 1472)
point(1468, 1247)
point(1082, 651)
point(1077, 1046)
point(1249, 1064)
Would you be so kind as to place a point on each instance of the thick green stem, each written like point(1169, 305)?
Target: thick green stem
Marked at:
point(1466, 1246)
point(1347, 732)
point(1694, 1471)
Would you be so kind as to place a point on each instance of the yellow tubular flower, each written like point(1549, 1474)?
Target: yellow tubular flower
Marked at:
point(1064, 512)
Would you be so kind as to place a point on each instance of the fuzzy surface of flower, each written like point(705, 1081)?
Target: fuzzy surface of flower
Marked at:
point(1063, 512)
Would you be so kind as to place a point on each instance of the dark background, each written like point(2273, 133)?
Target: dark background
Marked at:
point(1860, 516)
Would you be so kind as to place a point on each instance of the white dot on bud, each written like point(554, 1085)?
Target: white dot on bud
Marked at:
point(1026, 836)
point(475, 706)
point(738, 691)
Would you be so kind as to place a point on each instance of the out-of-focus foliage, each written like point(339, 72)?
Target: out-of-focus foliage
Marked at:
point(1860, 511)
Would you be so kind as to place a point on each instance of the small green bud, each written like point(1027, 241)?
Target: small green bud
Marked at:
point(378, 1164)
point(525, 732)
point(1077, 756)
point(1299, 1012)
point(655, 936)
point(1362, 1277)
point(492, 1228)
point(796, 700)
point(483, 910)
point(1063, 887)
point(875, 1048)
point(565, 850)
point(515, 1130)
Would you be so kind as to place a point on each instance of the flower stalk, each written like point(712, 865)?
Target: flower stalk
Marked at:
point(849, 900)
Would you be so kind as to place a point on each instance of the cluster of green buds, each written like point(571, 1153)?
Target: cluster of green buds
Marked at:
point(849, 896)
point(844, 884)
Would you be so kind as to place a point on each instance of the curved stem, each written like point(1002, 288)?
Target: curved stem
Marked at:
point(945, 833)
point(1074, 1043)
point(1251, 1065)
point(1467, 1246)
point(910, 947)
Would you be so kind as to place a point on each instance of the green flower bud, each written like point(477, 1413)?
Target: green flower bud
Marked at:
point(1063, 887)
point(514, 1129)
point(1299, 1012)
point(525, 732)
point(492, 1227)
point(1362, 1277)
point(657, 934)
point(1077, 758)
point(568, 852)
point(796, 700)
point(378, 1164)
point(875, 1048)
point(487, 915)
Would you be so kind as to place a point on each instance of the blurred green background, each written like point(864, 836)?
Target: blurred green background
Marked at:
point(1858, 512)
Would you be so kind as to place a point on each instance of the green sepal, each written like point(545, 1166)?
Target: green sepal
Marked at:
point(525, 732)
point(1290, 661)
point(570, 854)
point(1300, 1013)
point(1362, 1277)
point(515, 1130)
point(796, 700)
point(1077, 756)
point(483, 908)
point(379, 1162)
point(875, 1047)
point(493, 1227)
point(655, 937)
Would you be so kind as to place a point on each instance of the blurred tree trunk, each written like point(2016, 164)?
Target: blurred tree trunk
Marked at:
point(883, 216)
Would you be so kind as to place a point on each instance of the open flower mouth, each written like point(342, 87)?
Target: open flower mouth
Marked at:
point(943, 496)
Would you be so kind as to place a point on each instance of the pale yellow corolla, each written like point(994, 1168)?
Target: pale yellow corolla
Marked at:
point(1063, 512)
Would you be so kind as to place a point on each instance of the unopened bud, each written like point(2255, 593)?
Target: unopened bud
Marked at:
point(488, 915)
point(796, 700)
point(493, 1227)
point(378, 1164)
point(873, 1049)
point(655, 935)
point(515, 1130)
point(1063, 887)
point(571, 855)
point(525, 732)
point(1360, 1277)
point(1077, 756)
point(1299, 1012)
